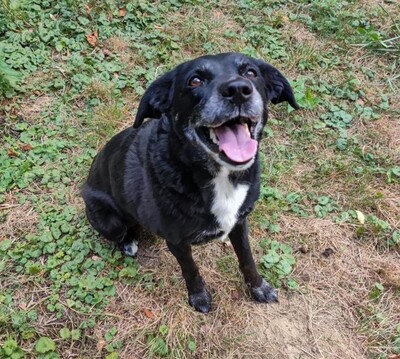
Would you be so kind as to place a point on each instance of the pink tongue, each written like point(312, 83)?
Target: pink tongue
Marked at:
point(236, 142)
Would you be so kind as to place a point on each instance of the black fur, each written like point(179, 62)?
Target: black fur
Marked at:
point(158, 175)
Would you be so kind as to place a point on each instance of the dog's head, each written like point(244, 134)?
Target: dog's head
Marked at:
point(218, 103)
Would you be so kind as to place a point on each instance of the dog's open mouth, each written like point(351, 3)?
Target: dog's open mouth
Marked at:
point(232, 139)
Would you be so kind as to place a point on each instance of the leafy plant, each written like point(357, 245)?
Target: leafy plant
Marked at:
point(9, 79)
point(393, 174)
point(376, 291)
point(157, 342)
point(324, 206)
point(295, 200)
point(337, 117)
point(277, 263)
point(10, 349)
point(45, 345)
point(395, 240)
point(192, 345)
point(305, 96)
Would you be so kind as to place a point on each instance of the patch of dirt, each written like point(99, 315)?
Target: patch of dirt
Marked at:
point(346, 278)
point(18, 219)
point(206, 28)
point(389, 206)
point(31, 109)
point(306, 326)
point(117, 44)
point(316, 322)
point(300, 34)
point(384, 132)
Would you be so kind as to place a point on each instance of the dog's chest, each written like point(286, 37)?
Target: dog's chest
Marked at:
point(228, 198)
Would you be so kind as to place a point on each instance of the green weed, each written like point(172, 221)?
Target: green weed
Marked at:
point(9, 79)
point(277, 263)
point(10, 349)
point(157, 342)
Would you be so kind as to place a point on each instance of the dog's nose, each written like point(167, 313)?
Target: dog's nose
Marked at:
point(238, 90)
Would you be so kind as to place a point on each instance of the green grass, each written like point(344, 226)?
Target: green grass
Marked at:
point(335, 162)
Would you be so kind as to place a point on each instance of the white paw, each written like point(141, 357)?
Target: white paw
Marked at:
point(130, 249)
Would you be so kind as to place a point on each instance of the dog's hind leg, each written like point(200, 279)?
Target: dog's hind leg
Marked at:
point(106, 219)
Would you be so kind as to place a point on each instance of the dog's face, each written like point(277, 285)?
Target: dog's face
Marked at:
point(219, 104)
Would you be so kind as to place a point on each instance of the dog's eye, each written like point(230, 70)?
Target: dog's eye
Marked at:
point(251, 74)
point(195, 81)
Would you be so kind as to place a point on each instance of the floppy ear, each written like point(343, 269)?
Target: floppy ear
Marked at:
point(277, 88)
point(157, 99)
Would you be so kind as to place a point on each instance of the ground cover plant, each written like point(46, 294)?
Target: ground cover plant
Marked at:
point(326, 229)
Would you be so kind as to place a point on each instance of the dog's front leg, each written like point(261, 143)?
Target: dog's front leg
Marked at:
point(199, 297)
point(261, 290)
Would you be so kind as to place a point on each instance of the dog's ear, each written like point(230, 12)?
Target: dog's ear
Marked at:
point(277, 87)
point(157, 99)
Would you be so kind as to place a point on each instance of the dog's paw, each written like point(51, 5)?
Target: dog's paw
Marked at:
point(201, 301)
point(129, 249)
point(265, 293)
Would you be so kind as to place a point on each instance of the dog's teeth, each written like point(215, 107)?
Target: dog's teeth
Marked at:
point(246, 128)
point(213, 136)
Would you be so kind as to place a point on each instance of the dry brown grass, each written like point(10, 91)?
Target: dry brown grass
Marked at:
point(117, 44)
point(349, 274)
point(205, 26)
point(382, 135)
point(19, 219)
point(108, 119)
point(31, 110)
point(304, 45)
point(389, 205)
point(121, 47)
point(315, 323)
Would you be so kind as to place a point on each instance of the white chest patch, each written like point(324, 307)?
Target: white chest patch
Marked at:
point(227, 201)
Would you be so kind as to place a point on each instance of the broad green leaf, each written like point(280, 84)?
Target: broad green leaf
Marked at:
point(65, 333)
point(44, 345)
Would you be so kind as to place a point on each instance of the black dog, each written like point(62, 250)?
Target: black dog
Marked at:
point(191, 173)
